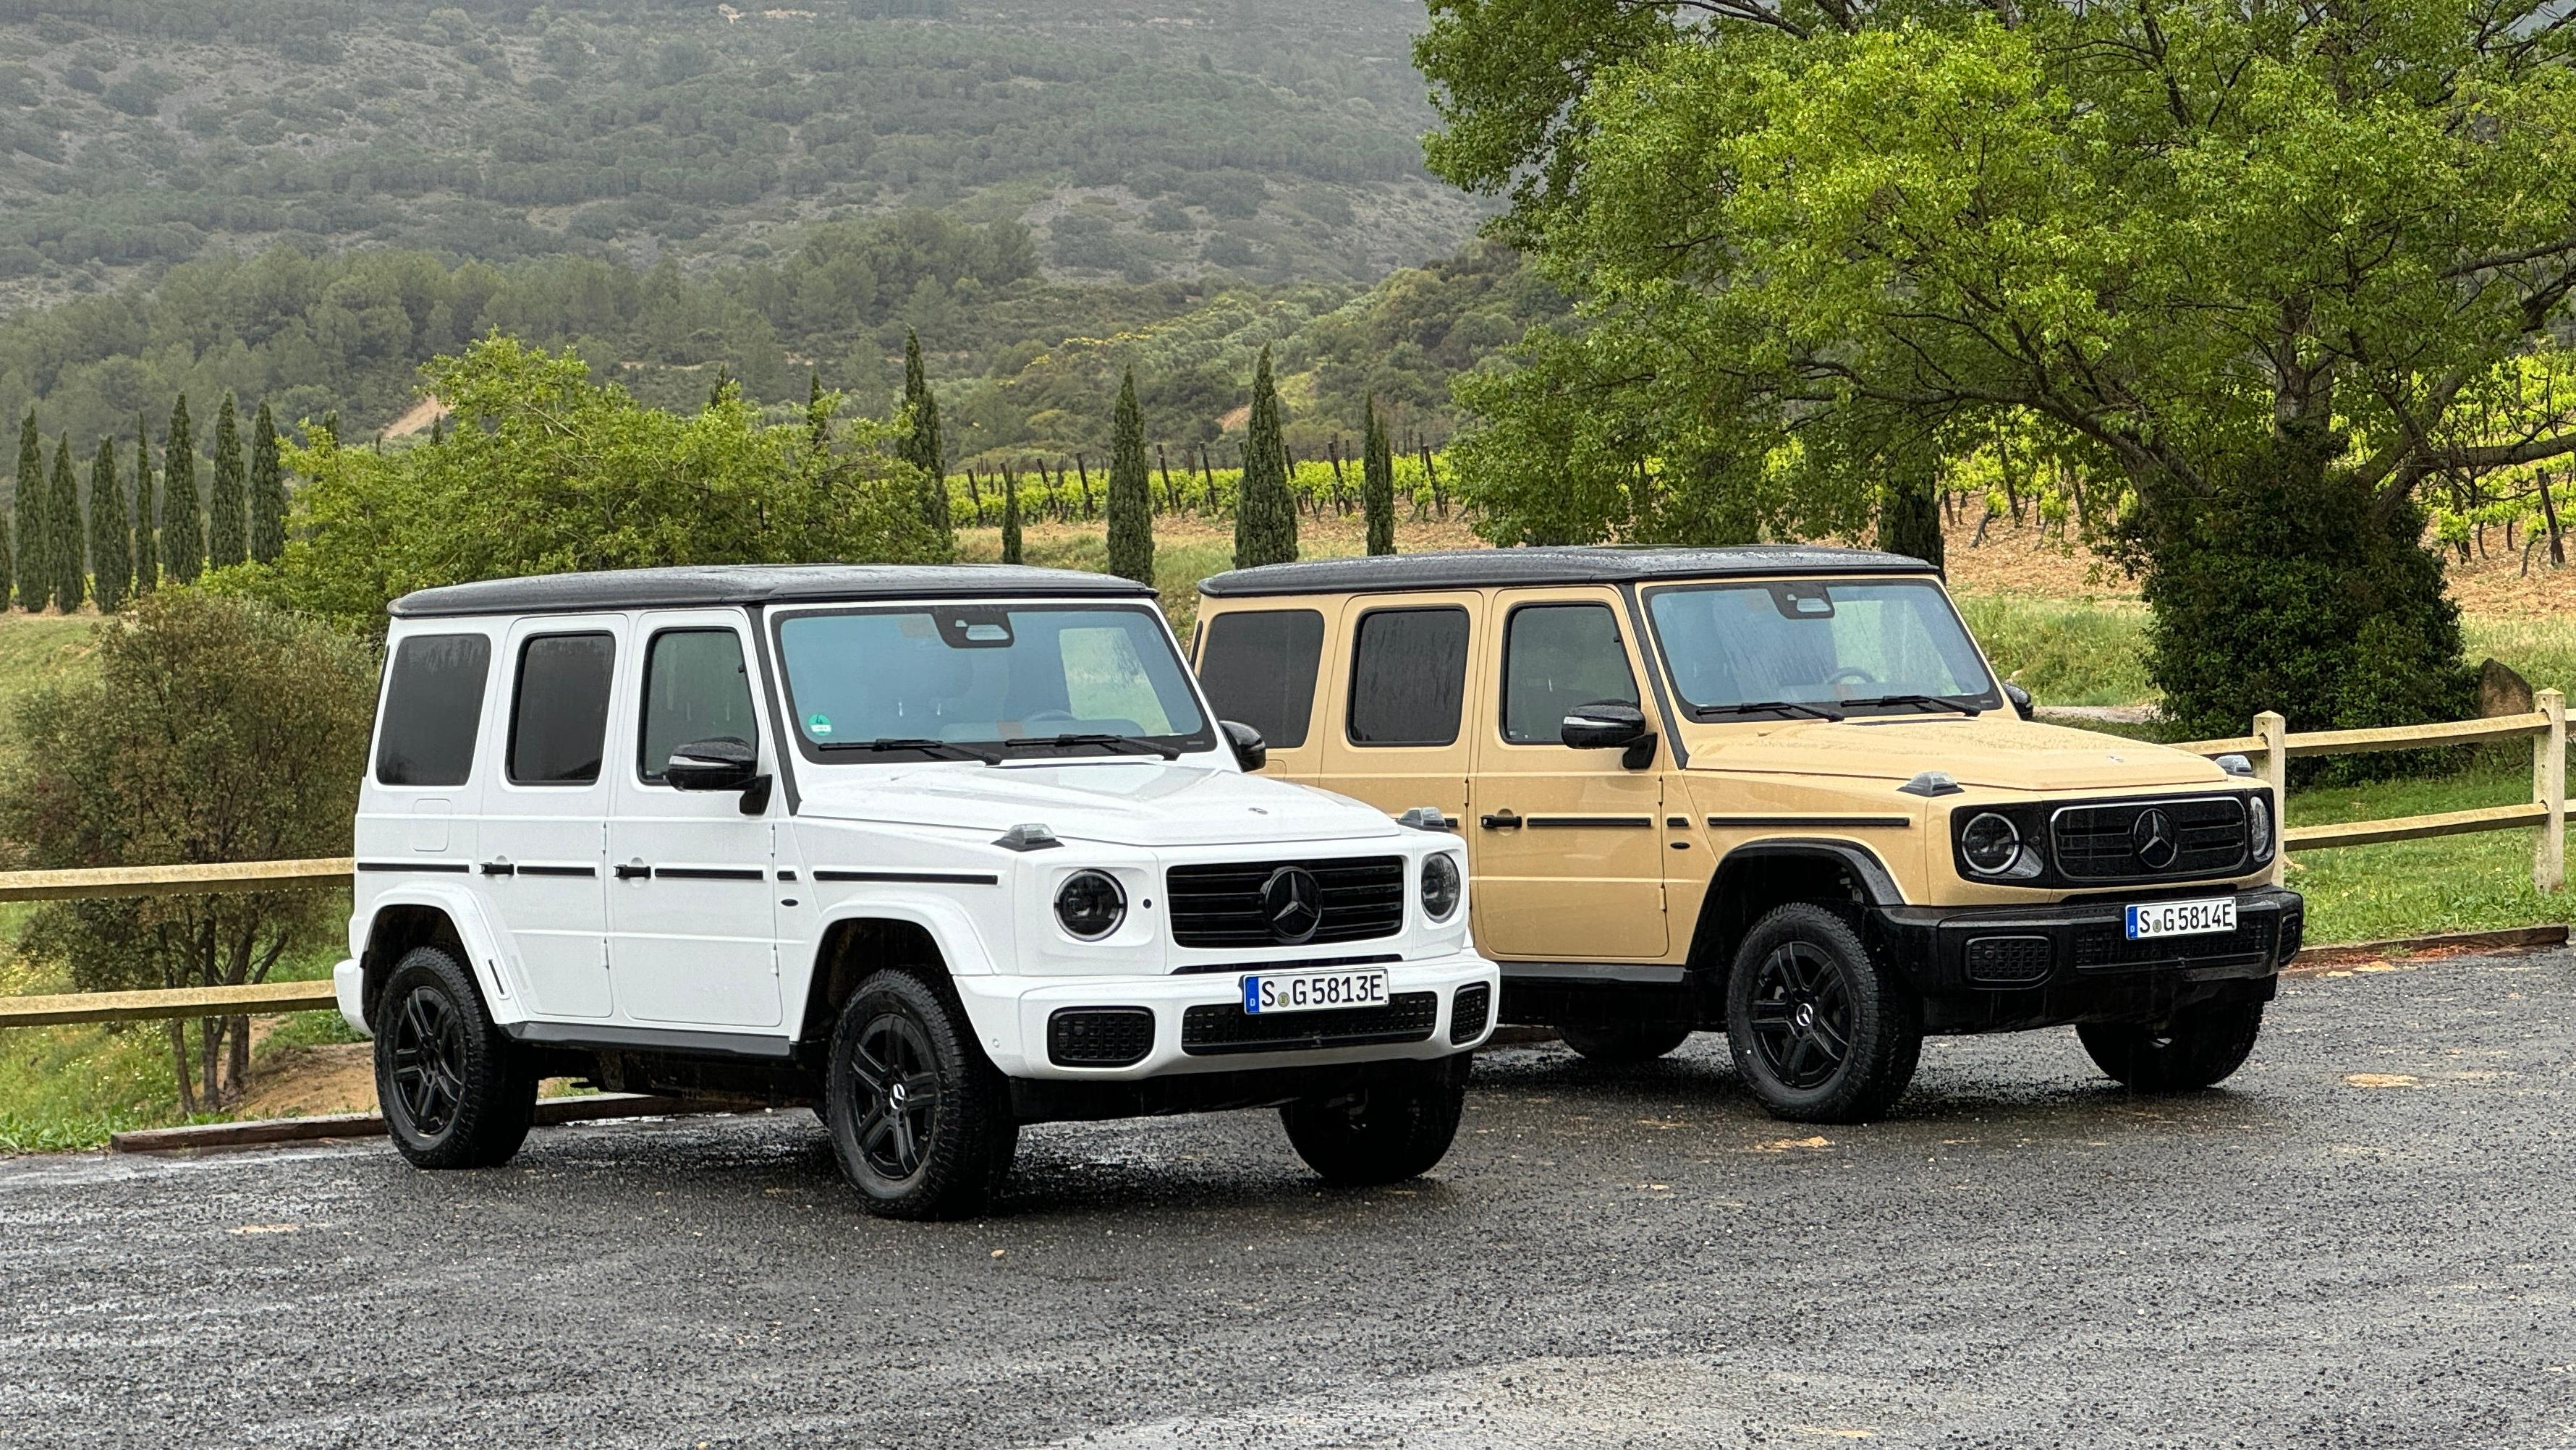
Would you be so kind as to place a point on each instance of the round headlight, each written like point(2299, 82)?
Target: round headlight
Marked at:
point(1990, 843)
point(1090, 904)
point(2258, 827)
point(1439, 886)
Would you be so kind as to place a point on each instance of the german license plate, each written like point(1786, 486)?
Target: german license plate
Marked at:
point(1313, 991)
point(2182, 918)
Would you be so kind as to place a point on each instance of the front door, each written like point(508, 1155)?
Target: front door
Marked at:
point(1396, 735)
point(693, 936)
point(545, 816)
point(1566, 845)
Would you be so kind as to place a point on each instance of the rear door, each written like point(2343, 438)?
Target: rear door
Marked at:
point(1264, 667)
point(545, 813)
point(1568, 846)
point(1396, 728)
point(690, 903)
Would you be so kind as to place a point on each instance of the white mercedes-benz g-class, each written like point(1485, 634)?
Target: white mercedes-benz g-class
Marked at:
point(940, 850)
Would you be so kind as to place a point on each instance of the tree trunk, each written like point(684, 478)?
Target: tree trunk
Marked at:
point(179, 1068)
point(2549, 511)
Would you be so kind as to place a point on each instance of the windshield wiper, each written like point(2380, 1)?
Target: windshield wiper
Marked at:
point(1766, 707)
point(1122, 742)
point(1933, 702)
point(950, 748)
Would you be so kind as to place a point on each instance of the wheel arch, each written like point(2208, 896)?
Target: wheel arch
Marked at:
point(397, 921)
point(931, 939)
point(1759, 875)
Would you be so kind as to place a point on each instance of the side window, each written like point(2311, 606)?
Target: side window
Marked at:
point(433, 709)
point(1259, 667)
point(695, 688)
point(1556, 657)
point(559, 721)
point(1408, 677)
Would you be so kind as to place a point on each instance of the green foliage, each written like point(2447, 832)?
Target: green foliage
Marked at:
point(1131, 497)
point(545, 471)
point(1265, 515)
point(147, 539)
point(1808, 248)
point(210, 729)
point(225, 539)
point(183, 530)
point(66, 550)
point(1011, 541)
point(35, 573)
point(923, 447)
point(267, 491)
point(1377, 481)
point(110, 538)
point(13, 544)
point(1909, 516)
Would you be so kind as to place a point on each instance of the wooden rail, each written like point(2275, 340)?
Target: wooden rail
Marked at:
point(219, 876)
point(2546, 725)
point(170, 880)
point(256, 999)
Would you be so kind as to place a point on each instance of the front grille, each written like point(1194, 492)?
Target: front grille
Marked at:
point(2010, 960)
point(2105, 944)
point(2101, 843)
point(1099, 1036)
point(1467, 1014)
point(1221, 906)
point(1225, 1027)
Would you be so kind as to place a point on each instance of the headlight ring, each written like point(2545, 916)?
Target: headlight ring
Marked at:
point(1441, 886)
point(1090, 904)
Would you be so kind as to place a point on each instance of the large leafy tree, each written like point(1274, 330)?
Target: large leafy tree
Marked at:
point(2264, 266)
point(544, 471)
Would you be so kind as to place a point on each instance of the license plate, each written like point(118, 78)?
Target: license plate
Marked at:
point(1313, 991)
point(2182, 918)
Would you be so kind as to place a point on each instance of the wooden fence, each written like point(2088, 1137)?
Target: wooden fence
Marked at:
point(2271, 747)
point(242, 1001)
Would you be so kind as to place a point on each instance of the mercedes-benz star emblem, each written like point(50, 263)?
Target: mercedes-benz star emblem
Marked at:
point(2153, 839)
point(1293, 901)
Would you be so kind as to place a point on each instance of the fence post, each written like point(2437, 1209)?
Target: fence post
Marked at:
point(2549, 788)
point(2274, 732)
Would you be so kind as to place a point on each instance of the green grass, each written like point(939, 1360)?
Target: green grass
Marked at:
point(36, 648)
point(2421, 888)
point(2072, 652)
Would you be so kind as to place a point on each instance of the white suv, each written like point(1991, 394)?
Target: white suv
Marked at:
point(942, 851)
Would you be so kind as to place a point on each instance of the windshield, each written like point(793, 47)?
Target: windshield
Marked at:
point(997, 680)
point(1874, 646)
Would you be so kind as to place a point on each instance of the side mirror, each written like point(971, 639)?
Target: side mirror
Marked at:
point(2020, 698)
point(1610, 725)
point(723, 763)
point(1249, 749)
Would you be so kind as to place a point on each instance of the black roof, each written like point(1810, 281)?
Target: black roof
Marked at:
point(689, 586)
point(1472, 568)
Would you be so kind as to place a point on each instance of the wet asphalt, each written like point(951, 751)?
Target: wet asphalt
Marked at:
point(2364, 1240)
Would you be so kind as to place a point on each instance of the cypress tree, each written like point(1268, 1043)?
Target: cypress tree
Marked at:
point(1010, 517)
point(1909, 516)
point(111, 538)
point(268, 488)
point(66, 551)
point(1131, 497)
point(1265, 517)
point(923, 447)
point(183, 527)
point(818, 419)
point(224, 522)
point(1377, 481)
point(35, 578)
point(147, 544)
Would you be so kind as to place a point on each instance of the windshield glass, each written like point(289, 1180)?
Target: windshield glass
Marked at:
point(1838, 645)
point(985, 675)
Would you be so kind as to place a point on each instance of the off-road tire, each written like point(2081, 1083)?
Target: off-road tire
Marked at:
point(1861, 1031)
point(898, 1037)
point(1393, 1129)
point(456, 1091)
point(1622, 1044)
point(2197, 1049)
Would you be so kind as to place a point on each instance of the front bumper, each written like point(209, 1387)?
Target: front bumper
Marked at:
point(1995, 969)
point(1013, 1014)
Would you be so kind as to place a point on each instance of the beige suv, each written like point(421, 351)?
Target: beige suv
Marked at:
point(1774, 791)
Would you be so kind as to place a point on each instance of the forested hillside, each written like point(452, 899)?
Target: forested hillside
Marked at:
point(1139, 139)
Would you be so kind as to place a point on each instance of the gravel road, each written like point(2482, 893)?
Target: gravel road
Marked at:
point(2364, 1241)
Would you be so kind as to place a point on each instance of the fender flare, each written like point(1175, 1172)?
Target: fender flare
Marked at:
point(1877, 883)
point(951, 927)
point(486, 943)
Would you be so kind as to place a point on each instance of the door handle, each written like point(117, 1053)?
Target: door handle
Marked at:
point(631, 870)
point(499, 868)
point(1502, 820)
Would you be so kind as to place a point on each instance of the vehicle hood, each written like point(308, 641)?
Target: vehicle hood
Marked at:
point(1132, 803)
point(1991, 750)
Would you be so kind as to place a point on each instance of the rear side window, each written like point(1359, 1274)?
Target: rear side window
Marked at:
point(1408, 677)
point(433, 707)
point(559, 723)
point(1259, 667)
point(1557, 657)
point(695, 689)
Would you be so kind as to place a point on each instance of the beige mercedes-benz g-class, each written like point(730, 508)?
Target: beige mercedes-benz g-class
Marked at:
point(1773, 790)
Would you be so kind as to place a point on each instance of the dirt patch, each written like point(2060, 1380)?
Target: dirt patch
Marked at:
point(416, 419)
point(304, 1082)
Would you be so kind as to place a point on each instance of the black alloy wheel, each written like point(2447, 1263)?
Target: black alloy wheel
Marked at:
point(920, 1118)
point(1801, 1015)
point(1820, 1029)
point(457, 1092)
point(901, 1107)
